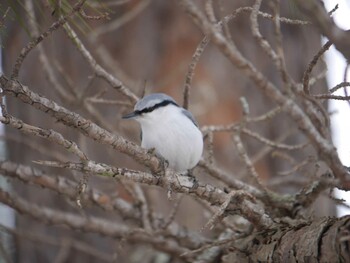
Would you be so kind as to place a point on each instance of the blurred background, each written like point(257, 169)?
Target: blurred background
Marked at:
point(148, 45)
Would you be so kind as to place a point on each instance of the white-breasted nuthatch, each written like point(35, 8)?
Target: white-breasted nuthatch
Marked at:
point(170, 130)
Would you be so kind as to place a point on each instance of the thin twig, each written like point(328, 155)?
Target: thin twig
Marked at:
point(92, 224)
point(246, 160)
point(65, 95)
point(32, 44)
point(312, 64)
point(298, 166)
point(108, 102)
point(36, 146)
point(67, 187)
point(220, 213)
point(281, 65)
point(345, 79)
point(213, 244)
point(2, 19)
point(47, 239)
point(86, 127)
point(273, 144)
point(331, 97)
point(202, 45)
point(111, 3)
point(173, 212)
point(99, 71)
point(145, 210)
point(121, 21)
point(190, 72)
point(319, 141)
point(105, 15)
point(257, 35)
point(50, 135)
point(340, 85)
point(209, 10)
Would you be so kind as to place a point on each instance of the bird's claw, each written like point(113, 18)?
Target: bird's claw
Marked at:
point(193, 178)
point(151, 151)
point(163, 163)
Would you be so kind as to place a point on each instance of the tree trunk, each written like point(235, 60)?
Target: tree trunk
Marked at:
point(323, 240)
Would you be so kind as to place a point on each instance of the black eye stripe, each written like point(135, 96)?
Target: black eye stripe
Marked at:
point(156, 106)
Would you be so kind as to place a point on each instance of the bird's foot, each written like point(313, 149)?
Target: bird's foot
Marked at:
point(163, 163)
point(151, 151)
point(193, 179)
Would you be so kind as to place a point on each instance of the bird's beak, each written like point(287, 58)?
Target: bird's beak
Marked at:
point(130, 115)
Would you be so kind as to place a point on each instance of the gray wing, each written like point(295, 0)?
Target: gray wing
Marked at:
point(190, 116)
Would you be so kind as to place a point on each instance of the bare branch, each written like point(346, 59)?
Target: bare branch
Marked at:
point(83, 125)
point(2, 19)
point(312, 64)
point(50, 135)
point(32, 44)
point(116, 24)
point(272, 143)
point(297, 114)
point(90, 224)
point(321, 19)
point(246, 219)
point(339, 86)
point(67, 187)
point(178, 183)
point(66, 95)
point(331, 97)
point(99, 71)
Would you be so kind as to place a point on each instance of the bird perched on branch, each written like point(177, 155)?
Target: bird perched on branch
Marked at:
point(170, 130)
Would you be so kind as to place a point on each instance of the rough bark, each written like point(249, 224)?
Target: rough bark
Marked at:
point(323, 240)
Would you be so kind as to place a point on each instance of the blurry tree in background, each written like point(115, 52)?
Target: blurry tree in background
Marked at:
point(250, 71)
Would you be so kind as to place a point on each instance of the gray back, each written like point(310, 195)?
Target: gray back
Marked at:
point(190, 116)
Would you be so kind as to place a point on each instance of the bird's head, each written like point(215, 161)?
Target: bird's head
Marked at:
point(151, 108)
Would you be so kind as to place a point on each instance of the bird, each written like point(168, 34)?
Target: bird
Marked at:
point(169, 130)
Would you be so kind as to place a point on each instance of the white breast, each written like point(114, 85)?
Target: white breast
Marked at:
point(174, 136)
